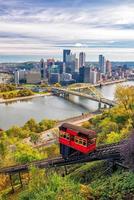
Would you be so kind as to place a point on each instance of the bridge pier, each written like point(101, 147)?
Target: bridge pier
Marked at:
point(66, 96)
point(105, 106)
point(99, 105)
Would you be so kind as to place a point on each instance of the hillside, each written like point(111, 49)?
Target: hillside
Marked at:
point(96, 180)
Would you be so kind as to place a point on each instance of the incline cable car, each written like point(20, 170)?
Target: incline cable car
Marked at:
point(75, 138)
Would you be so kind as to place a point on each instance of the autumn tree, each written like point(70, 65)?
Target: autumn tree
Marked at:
point(24, 92)
point(31, 125)
point(124, 96)
point(57, 85)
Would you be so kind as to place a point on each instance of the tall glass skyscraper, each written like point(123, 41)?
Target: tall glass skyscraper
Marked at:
point(82, 58)
point(102, 64)
point(66, 52)
point(42, 69)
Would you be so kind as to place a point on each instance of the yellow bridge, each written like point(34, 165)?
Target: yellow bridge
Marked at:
point(83, 90)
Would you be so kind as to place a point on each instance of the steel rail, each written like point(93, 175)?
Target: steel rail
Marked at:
point(110, 151)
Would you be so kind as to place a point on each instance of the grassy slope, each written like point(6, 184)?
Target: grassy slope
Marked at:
point(105, 185)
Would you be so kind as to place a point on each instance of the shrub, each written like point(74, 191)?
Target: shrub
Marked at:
point(52, 187)
point(118, 187)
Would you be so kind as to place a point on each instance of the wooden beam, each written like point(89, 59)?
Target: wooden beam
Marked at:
point(122, 165)
point(20, 179)
point(65, 169)
point(11, 182)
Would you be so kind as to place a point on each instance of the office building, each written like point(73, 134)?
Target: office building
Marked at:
point(66, 52)
point(54, 69)
point(20, 76)
point(82, 59)
point(109, 68)
point(61, 66)
point(16, 77)
point(66, 77)
point(71, 63)
point(93, 77)
point(102, 64)
point(54, 78)
point(86, 74)
point(33, 77)
point(81, 74)
point(43, 69)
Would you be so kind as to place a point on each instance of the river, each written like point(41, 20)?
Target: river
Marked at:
point(51, 107)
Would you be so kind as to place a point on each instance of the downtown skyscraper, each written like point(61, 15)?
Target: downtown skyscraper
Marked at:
point(66, 52)
point(82, 59)
point(102, 64)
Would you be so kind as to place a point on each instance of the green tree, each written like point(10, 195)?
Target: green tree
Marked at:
point(113, 137)
point(15, 131)
point(34, 138)
point(24, 153)
point(31, 125)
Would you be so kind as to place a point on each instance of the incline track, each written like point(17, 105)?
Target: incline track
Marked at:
point(111, 151)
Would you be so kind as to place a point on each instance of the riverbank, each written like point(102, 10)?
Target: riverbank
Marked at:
point(23, 98)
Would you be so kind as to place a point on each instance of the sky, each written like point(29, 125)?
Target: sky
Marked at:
point(46, 27)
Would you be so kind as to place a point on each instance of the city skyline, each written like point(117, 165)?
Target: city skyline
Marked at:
point(46, 28)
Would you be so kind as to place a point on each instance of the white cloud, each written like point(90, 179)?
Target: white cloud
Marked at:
point(38, 30)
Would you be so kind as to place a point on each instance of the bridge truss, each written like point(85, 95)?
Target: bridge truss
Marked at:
point(86, 88)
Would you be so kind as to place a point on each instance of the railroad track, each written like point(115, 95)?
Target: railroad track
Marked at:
point(103, 152)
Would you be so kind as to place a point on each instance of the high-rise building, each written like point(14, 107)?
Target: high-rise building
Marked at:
point(109, 68)
point(71, 63)
point(64, 68)
point(16, 77)
point(61, 66)
point(86, 74)
point(81, 74)
point(20, 76)
point(43, 69)
point(66, 77)
point(82, 59)
point(55, 69)
point(66, 52)
point(54, 78)
point(33, 77)
point(102, 64)
point(93, 76)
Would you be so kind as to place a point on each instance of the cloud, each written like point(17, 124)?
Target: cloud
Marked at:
point(45, 26)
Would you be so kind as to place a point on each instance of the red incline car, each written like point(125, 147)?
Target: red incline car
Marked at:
point(75, 138)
